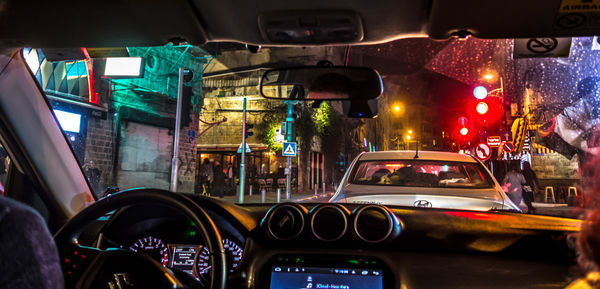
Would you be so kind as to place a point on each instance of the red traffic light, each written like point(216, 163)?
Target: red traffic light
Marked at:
point(482, 108)
point(464, 131)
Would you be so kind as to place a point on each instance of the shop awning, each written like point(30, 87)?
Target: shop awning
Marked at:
point(255, 147)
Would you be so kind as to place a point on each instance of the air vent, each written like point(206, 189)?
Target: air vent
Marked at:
point(329, 222)
point(285, 221)
point(375, 224)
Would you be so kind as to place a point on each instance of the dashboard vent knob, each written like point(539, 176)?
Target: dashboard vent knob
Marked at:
point(375, 223)
point(285, 221)
point(329, 222)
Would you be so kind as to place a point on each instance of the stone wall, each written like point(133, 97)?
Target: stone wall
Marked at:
point(100, 142)
point(230, 131)
point(555, 166)
point(187, 156)
point(99, 149)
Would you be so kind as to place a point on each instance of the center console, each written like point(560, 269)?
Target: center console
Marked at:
point(325, 272)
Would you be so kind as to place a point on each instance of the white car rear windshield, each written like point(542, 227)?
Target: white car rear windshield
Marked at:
point(416, 173)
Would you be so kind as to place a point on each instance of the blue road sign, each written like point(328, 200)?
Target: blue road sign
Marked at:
point(508, 147)
point(506, 136)
point(289, 149)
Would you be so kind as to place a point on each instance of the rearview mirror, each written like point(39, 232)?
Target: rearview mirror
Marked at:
point(321, 83)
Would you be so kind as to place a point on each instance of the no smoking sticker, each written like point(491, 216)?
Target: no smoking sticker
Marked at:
point(541, 47)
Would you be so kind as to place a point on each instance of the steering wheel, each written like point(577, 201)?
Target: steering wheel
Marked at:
point(90, 268)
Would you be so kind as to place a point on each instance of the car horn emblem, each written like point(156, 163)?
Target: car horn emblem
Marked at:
point(121, 281)
point(422, 204)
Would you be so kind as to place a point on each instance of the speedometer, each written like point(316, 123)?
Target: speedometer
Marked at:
point(234, 254)
point(153, 247)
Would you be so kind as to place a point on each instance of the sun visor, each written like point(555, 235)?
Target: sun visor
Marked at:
point(513, 18)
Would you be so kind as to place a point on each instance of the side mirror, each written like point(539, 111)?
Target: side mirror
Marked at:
point(321, 83)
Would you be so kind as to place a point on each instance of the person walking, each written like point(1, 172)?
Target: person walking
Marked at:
point(218, 184)
point(230, 179)
point(205, 176)
point(532, 185)
point(93, 175)
point(513, 183)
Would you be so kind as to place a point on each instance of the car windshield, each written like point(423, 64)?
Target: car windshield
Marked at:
point(410, 173)
point(524, 108)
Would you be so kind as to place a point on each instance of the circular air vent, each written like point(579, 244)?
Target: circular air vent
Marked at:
point(374, 223)
point(285, 221)
point(329, 222)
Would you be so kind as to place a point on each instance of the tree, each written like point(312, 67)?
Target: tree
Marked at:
point(305, 129)
point(329, 127)
point(266, 128)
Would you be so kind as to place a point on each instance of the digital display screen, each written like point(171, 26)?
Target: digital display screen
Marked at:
point(123, 67)
point(183, 257)
point(68, 121)
point(284, 277)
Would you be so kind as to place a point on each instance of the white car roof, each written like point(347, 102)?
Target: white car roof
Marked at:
point(423, 155)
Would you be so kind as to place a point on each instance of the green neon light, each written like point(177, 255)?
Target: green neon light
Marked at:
point(160, 81)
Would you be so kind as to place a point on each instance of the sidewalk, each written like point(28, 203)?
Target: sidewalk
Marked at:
point(557, 210)
point(271, 197)
point(548, 205)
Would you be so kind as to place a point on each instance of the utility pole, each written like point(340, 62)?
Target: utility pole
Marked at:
point(175, 159)
point(243, 160)
point(288, 134)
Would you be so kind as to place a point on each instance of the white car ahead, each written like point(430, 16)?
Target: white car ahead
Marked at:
point(427, 179)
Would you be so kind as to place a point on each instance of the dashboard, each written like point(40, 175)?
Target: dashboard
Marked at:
point(170, 239)
point(336, 246)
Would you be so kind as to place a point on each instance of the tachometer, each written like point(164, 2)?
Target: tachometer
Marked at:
point(233, 254)
point(153, 247)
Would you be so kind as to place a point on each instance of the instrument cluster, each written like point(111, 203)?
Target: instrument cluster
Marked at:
point(190, 258)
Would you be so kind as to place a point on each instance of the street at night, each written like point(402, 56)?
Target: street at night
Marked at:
point(271, 144)
point(474, 104)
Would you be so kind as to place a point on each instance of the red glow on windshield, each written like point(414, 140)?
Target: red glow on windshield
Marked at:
point(478, 216)
point(92, 96)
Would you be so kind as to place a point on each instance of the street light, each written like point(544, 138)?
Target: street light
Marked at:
point(408, 137)
point(398, 108)
point(410, 131)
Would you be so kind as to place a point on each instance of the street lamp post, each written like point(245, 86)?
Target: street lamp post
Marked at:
point(409, 137)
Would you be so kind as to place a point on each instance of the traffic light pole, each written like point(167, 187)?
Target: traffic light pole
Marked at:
point(243, 160)
point(288, 178)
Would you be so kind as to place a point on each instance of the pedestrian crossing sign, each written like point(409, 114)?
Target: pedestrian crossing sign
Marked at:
point(239, 150)
point(289, 149)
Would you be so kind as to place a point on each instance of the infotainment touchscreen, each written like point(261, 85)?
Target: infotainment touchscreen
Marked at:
point(325, 278)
